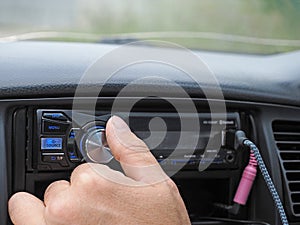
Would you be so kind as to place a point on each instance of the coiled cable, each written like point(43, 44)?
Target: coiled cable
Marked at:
point(268, 180)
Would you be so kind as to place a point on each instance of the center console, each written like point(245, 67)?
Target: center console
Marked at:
point(50, 141)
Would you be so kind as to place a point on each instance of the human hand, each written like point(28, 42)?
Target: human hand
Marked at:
point(97, 194)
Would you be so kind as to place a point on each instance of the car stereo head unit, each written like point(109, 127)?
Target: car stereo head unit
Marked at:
point(61, 144)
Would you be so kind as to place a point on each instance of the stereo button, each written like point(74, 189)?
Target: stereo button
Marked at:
point(55, 116)
point(56, 159)
point(72, 146)
point(54, 127)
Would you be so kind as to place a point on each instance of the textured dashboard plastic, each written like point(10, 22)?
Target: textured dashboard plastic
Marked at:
point(31, 69)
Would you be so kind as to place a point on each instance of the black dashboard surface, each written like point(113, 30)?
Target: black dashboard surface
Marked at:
point(52, 69)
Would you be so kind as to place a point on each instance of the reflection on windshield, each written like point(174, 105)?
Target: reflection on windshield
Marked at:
point(228, 25)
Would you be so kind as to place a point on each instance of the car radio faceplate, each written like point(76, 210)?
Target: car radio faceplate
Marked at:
point(62, 144)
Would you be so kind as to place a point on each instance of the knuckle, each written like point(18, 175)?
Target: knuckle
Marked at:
point(139, 158)
point(81, 168)
point(82, 174)
point(85, 179)
point(131, 146)
point(52, 186)
point(88, 176)
point(138, 153)
point(138, 145)
point(56, 209)
point(51, 190)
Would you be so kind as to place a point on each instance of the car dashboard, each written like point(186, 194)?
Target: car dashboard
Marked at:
point(260, 95)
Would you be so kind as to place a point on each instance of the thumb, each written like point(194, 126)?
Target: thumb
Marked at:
point(135, 157)
point(26, 209)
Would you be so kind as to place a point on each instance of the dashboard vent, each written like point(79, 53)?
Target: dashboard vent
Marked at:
point(287, 138)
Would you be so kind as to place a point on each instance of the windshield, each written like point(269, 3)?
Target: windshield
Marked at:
point(260, 27)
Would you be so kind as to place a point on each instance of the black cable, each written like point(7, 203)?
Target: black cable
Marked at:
point(231, 221)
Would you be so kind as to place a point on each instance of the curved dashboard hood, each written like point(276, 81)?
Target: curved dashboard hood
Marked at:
point(54, 69)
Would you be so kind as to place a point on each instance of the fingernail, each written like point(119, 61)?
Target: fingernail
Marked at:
point(119, 124)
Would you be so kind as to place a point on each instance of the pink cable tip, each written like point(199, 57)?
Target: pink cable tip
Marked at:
point(246, 182)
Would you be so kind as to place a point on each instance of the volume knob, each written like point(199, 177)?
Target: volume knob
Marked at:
point(94, 147)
